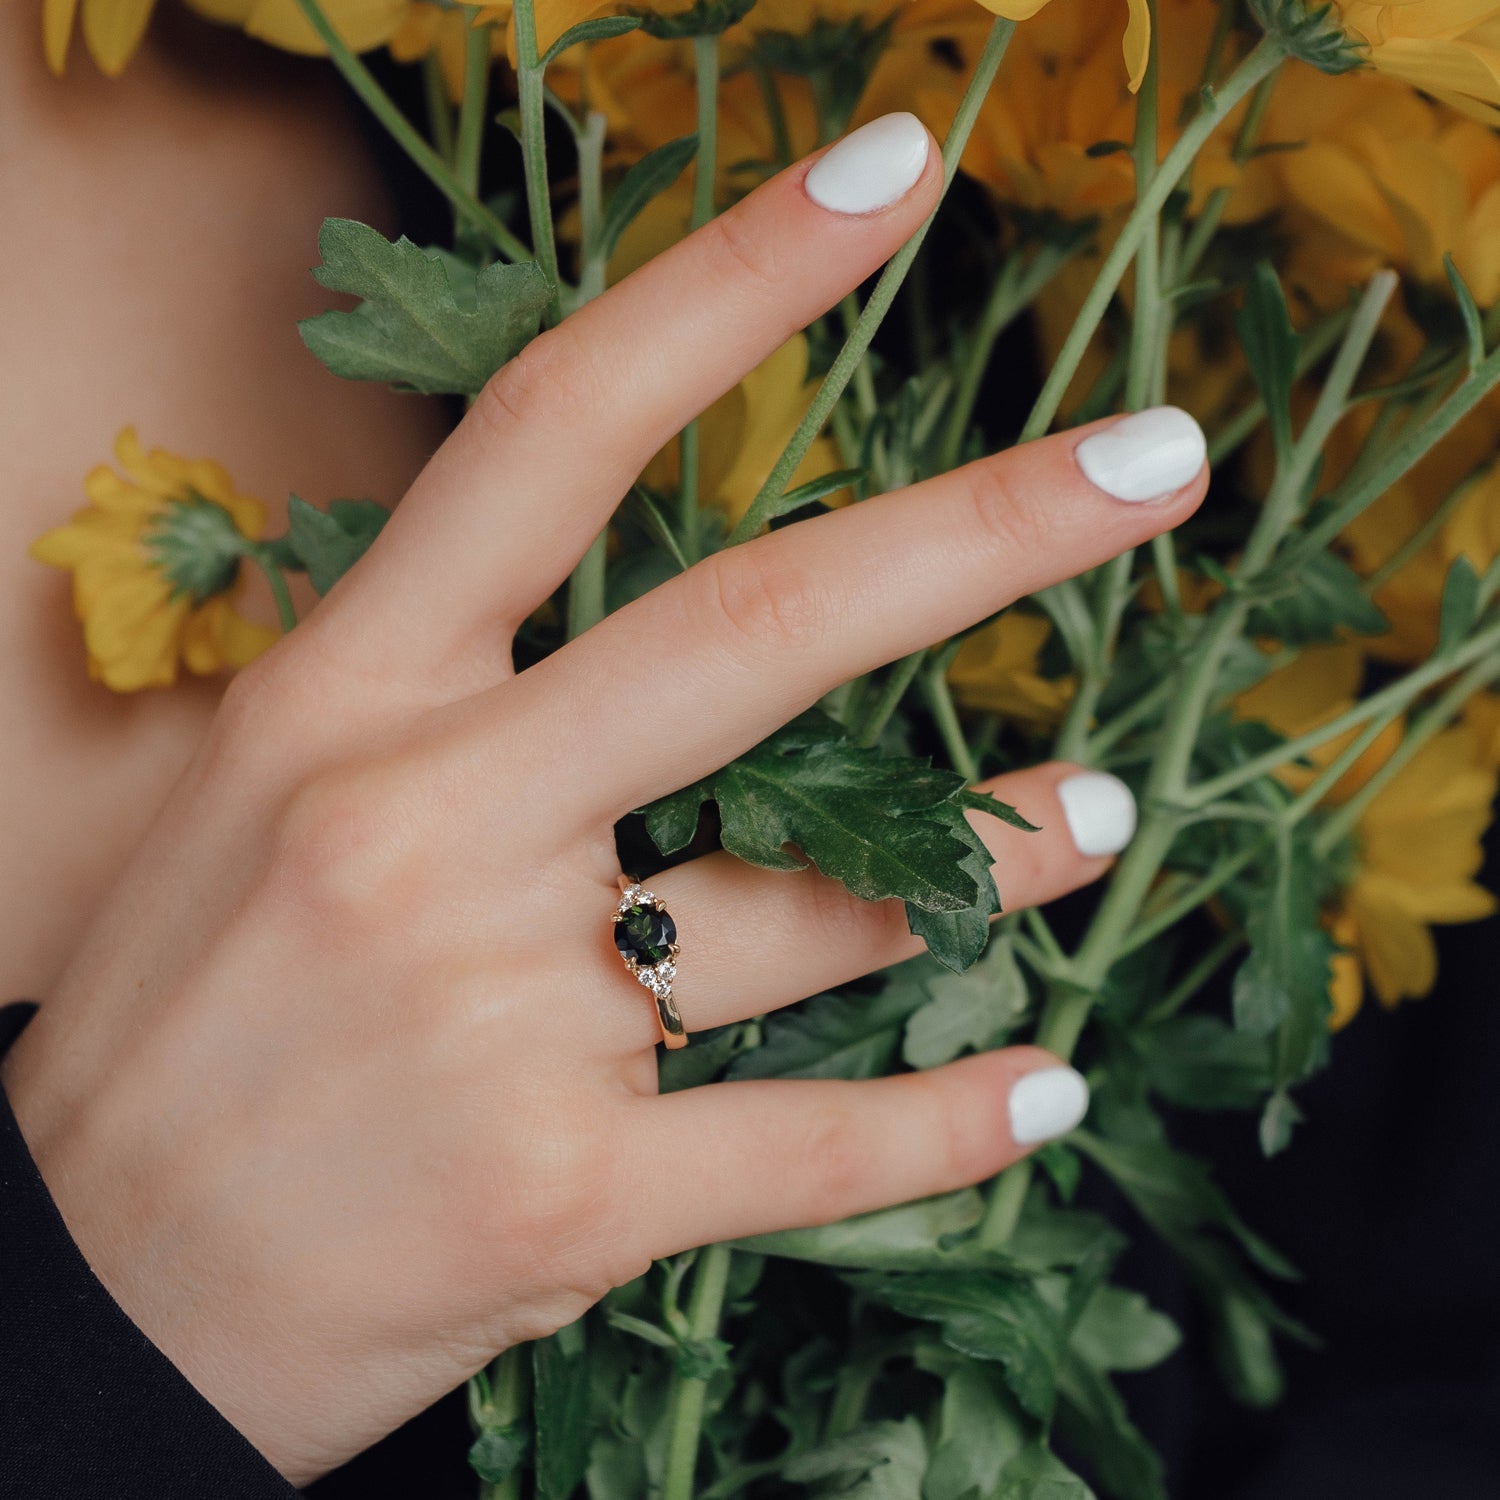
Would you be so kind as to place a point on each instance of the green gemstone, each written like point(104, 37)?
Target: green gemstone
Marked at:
point(645, 934)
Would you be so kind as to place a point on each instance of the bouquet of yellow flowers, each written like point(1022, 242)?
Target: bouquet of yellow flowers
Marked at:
point(1282, 217)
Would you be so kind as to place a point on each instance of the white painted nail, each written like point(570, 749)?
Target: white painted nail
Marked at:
point(1047, 1104)
point(871, 167)
point(1100, 811)
point(1145, 456)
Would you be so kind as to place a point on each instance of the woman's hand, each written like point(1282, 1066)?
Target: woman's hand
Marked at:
point(348, 1088)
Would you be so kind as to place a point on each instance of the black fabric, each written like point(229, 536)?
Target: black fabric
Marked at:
point(88, 1405)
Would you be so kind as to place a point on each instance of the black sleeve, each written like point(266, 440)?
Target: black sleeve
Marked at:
point(88, 1405)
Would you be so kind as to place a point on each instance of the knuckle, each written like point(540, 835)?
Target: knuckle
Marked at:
point(342, 850)
point(763, 604)
point(751, 255)
point(838, 1163)
point(960, 1153)
point(553, 371)
point(1009, 521)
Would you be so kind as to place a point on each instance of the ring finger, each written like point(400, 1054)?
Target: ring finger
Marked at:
point(754, 940)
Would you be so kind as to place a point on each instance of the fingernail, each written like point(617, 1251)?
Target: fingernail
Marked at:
point(871, 167)
point(1100, 811)
point(1144, 456)
point(1047, 1104)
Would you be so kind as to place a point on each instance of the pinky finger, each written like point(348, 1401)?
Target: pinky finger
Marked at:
point(752, 1157)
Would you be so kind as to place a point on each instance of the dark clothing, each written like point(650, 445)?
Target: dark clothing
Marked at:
point(88, 1404)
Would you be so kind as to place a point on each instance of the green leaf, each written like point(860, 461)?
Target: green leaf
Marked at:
point(497, 1452)
point(1246, 1352)
point(957, 938)
point(656, 525)
point(1063, 1165)
point(560, 1411)
point(974, 1011)
point(880, 1461)
point(600, 29)
point(655, 172)
point(921, 1236)
point(329, 543)
point(886, 826)
point(1261, 1001)
point(833, 1036)
point(1461, 604)
point(987, 1315)
point(1120, 1330)
point(980, 1429)
point(1175, 1194)
point(1271, 346)
point(815, 489)
point(1321, 601)
point(1200, 1063)
point(1277, 1122)
point(1092, 1417)
point(426, 322)
point(699, 1359)
point(1468, 310)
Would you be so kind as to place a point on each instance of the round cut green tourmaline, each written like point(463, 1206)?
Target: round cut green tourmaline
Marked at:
point(645, 934)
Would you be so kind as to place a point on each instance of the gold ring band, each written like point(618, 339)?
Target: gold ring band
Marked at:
point(646, 937)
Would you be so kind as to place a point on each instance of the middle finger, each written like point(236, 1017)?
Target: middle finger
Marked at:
point(700, 669)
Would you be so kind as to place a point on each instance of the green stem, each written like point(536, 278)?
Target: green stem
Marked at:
point(533, 111)
point(439, 115)
point(1266, 57)
point(855, 347)
point(586, 590)
point(510, 1399)
point(1433, 719)
point(945, 715)
point(1395, 697)
point(892, 691)
point(285, 610)
point(1316, 343)
point(864, 377)
point(1417, 540)
point(1194, 980)
point(471, 115)
point(705, 175)
point(1413, 444)
point(686, 1397)
point(378, 102)
point(1148, 310)
point(1013, 292)
point(1294, 470)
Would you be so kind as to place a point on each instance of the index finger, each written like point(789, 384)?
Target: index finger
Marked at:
point(516, 494)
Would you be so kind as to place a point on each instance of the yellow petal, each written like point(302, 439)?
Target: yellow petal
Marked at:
point(362, 24)
point(112, 30)
point(57, 31)
point(1137, 44)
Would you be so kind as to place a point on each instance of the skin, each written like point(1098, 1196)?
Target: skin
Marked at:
point(345, 1088)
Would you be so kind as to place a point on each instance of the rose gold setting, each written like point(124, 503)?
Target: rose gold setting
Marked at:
point(657, 978)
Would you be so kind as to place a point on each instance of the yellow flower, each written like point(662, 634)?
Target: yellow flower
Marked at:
point(996, 671)
point(1448, 48)
point(112, 29)
point(1137, 39)
point(155, 558)
point(1379, 177)
point(743, 434)
point(1317, 685)
point(1419, 849)
point(1412, 598)
point(443, 31)
point(362, 24)
point(1417, 846)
